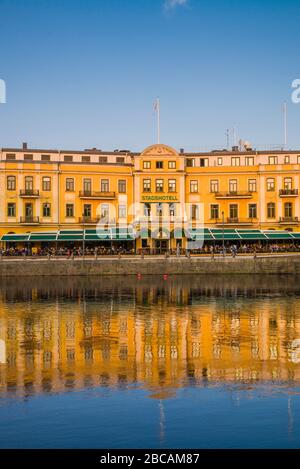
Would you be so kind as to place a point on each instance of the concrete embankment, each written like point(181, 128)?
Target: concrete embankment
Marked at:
point(289, 264)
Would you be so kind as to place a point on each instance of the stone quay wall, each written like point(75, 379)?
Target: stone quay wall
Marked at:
point(283, 264)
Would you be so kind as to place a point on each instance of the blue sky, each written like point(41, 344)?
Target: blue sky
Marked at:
point(85, 73)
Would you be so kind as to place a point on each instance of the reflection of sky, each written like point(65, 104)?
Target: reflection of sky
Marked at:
point(204, 418)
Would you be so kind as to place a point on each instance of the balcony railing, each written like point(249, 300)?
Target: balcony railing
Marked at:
point(96, 195)
point(236, 221)
point(288, 220)
point(30, 220)
point(233, 195)
point(288, 192)
point(29, 193)
point(89, 220)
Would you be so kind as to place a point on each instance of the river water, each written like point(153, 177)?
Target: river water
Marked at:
point(197, 362)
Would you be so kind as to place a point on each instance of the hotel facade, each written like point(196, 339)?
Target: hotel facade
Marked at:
point(154, 197)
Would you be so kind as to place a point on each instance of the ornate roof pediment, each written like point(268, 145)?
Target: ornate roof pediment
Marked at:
point(159, 150)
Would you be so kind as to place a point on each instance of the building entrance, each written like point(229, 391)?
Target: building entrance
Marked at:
point(161, 246)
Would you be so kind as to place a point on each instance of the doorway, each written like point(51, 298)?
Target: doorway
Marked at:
point(161, 246)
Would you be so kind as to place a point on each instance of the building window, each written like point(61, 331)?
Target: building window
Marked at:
point(45, 157)
point(287, 184)
point(190, 162)
point(172, 210)
point(194, 212)
point(68, 158)
point(147, 185)
point(249, 160)
point(193, 186)
point(122, 186)
point(11, 209)
point(172, 164)
point(29, 183)
point(172, 185)
point(214, 212)
point(272, 159)
point(69, 184)
point(28, 210)
point(147, 210)
point(122, 211)
point(104, 185)
point(233, 211)
point(87, 186)
point(10, 156)
point(271, 210)
point(233, 186)
point(214, 185)
point(287, 159)
point(102, 159)
point(69, 210)
point(46, 183)
point(288, 210)
point(252, 211)
point(86, 159)
point(252, 185)
point(120, 159)
point(28, 157)
point(203, 162)
point(147, 164)
point(235, 161)
point(159, 185)
point(270, 184)
point(159, 164)
point(11, 183)
point(105, 211)
point(220, 161)
point(46, 210)
point(87, 210)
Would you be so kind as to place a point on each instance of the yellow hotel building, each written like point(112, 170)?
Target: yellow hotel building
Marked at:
point(58, 191)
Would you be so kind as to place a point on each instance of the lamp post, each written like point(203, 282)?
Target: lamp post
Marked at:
point(223, 240)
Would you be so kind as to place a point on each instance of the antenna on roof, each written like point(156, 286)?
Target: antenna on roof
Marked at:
point(227, 139)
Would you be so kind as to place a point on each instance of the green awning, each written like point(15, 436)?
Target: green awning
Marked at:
point(252, 236)
point(278, 235)
point(122, 234)
point(70, 235)
point(227, 236)
point(295, 235)
point(15, 237)
point(43, 236)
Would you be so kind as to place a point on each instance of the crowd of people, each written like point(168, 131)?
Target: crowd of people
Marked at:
point(95, 251)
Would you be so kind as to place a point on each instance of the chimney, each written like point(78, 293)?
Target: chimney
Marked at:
point(181, 150)
point(24, 146)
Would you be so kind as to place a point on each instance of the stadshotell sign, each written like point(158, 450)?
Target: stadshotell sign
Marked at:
point(159, 198)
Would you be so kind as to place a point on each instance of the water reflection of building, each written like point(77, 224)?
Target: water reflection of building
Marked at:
point(161, 339)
